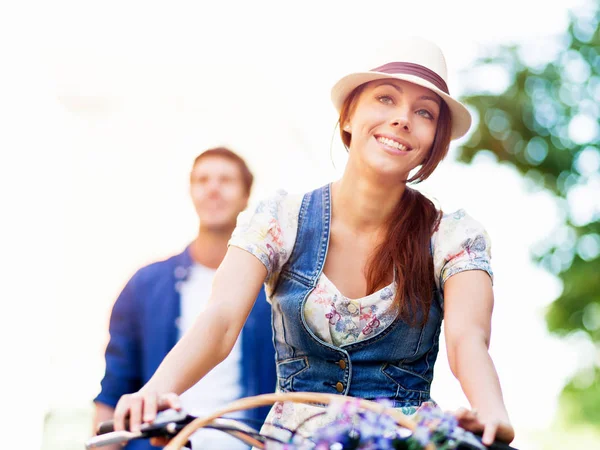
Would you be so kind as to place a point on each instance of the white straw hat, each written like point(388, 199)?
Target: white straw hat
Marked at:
point(416, 60)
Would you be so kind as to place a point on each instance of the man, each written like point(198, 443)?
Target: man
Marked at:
point(162, 300)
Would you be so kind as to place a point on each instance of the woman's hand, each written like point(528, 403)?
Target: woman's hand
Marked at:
point(141, 407)
point(490, 429)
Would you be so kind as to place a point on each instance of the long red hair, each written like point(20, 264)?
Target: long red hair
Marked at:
point(407, 244)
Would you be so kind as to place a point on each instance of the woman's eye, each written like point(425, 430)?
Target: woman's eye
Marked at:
point(425, 113)
point(386, 99)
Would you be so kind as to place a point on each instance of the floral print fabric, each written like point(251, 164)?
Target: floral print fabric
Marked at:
point(460, 243)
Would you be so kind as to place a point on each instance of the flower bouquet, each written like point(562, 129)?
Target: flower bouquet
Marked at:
point(352, 424)
point(352, 428)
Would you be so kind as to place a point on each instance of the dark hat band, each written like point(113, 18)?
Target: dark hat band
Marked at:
point(414, 69)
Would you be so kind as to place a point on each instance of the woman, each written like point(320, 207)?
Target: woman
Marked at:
point(361, 272)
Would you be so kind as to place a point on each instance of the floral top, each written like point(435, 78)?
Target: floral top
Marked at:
point(460, 243)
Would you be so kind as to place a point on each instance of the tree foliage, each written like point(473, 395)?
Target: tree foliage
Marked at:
point(546, 124)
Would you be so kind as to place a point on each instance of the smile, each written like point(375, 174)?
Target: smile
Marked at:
point(393, 143)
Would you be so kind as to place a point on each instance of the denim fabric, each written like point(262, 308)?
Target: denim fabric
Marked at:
point(396, 364)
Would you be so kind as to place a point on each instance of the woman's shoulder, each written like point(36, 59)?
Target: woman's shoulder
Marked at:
point(460, 243)
point(278, 201)
point(458, 222)
point(457, 231)
point(268, 231)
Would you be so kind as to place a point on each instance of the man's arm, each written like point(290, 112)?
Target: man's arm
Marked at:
point(235, 287)
point(122, 356)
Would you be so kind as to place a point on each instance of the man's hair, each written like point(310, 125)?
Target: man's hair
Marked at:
point(223, 152)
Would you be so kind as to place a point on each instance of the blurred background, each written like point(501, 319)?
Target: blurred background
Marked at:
point(104, 105)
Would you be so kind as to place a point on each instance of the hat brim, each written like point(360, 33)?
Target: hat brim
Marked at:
point(461, 118)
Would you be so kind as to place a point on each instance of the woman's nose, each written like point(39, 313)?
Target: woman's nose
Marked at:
point(401, 121)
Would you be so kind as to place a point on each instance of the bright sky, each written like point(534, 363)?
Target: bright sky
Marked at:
point(105, 104)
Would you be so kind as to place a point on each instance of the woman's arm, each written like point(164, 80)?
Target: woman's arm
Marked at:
point(235, 287)
point(468, 305)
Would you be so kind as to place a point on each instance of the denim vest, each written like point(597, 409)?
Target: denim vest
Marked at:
point(397, 363)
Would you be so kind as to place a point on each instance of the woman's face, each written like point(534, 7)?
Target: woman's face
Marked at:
point(393, 126)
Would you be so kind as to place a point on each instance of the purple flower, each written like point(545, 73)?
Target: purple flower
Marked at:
point(368, 430)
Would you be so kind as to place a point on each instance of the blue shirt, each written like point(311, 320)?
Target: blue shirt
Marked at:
point(143, 329)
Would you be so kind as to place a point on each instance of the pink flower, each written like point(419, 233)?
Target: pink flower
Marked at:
point(275, 232)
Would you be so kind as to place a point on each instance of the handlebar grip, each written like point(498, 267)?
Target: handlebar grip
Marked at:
point(500, 446)
point(162, 418)
point(109, 426)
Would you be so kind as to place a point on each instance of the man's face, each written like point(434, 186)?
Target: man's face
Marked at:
point(218, 192)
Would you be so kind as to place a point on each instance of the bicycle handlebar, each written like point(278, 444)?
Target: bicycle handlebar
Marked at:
point(167, 424)
point(170, 422)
